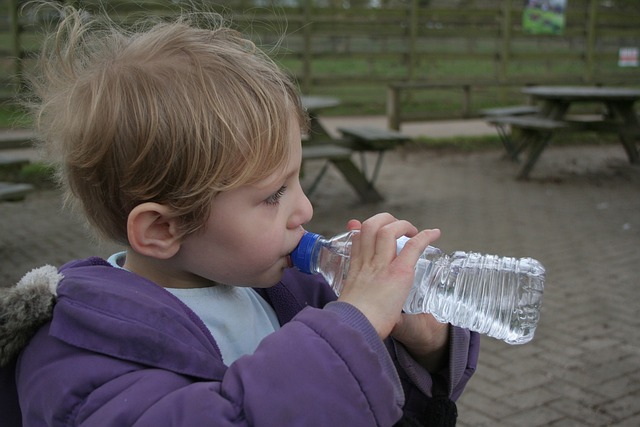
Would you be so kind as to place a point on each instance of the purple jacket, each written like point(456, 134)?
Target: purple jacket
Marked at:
point(122, 351)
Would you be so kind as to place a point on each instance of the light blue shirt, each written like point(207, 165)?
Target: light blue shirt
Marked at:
point(236, 316)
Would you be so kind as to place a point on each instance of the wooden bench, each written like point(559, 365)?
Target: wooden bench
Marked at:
point(10, 191)
point(365, 138)
point(490, 114)
point(535, 133)
point(324, 151)
point(338, 151)
point(13, 192)
point(528, 122)
point(513, 110)
point(340, 157)
point(7, 162)
point(330, 153)
point(531, 126)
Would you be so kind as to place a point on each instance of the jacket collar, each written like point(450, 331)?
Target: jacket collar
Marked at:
point(112, 311)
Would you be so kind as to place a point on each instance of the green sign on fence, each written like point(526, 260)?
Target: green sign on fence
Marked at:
point(544, 16)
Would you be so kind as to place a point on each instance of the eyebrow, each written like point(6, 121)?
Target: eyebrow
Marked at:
point(269, 183)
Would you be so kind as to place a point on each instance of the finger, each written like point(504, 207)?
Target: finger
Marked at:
point(386, 242)
point(369, 233)
point(354, 224)
point(415, 246)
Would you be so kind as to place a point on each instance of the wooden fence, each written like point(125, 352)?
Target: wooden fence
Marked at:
point(449, 48)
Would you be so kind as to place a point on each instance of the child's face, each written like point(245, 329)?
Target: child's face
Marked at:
point(251, 230)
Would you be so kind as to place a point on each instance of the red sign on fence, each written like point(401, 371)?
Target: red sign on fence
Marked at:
point(628, 57)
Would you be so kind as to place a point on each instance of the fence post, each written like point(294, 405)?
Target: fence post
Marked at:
point(393, 107)
point(466, 101)
point(16, 50)
point(591, 41)
point(413, 36)
point(506, 40)
point(307, 54)
point(505, 48)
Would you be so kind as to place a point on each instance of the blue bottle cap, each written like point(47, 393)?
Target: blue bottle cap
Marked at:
point(301, 255)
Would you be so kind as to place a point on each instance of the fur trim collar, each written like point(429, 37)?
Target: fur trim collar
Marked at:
point(24, 308)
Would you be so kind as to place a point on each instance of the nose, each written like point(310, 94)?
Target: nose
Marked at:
point(303, 210)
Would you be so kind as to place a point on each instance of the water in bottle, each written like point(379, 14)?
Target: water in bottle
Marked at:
point(497, 296)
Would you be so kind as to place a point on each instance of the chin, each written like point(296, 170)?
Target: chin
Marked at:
point(262, 286)
point(268, 281)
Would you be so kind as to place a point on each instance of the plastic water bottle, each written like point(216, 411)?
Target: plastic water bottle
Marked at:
point(497, 296)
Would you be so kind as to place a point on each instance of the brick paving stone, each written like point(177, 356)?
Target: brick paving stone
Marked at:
point(578, 214)
point(36, 231)
point(533, 417)
point(577, 410)
point(478, 402)
point(633, 421)
point(476, 419)
point(620, 386)
point(624, 407)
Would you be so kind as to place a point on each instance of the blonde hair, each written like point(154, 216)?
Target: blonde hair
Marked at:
point(167, 112)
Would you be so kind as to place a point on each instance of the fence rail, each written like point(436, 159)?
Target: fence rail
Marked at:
point(356, 53)
point(509, 90)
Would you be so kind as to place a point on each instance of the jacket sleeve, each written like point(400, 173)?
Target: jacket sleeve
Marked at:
point(319, 369)
point(419, 384)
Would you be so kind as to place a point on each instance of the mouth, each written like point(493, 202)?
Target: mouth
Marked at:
point(288, 256)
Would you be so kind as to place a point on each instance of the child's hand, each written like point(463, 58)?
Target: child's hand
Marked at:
point(425, 339)
point(378, 281)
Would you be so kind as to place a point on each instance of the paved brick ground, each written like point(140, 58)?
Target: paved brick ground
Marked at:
point(579, 215)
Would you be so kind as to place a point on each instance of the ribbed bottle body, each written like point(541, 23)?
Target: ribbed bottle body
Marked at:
point(497, 296)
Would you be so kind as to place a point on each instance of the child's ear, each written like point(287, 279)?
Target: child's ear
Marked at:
point(153, 231)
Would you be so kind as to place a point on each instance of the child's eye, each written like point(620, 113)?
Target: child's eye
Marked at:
point(274, 199)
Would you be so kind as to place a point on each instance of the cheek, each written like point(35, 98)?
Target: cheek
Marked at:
point(244, 261)
point(265, 247)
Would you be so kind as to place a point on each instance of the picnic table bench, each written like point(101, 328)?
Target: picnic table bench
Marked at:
point(10, 191)
point(338, 151)
point(332, 153)
point(534, 130)
point(512, 110)
point(13, 192)
point(365, 138)
point(503, 117)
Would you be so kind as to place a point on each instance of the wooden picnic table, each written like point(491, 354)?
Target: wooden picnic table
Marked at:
point(337, 150)
point(318, 134)
point(556, 101)
point(620, 116)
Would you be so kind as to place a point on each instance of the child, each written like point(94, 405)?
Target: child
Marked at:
point(183, 144)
